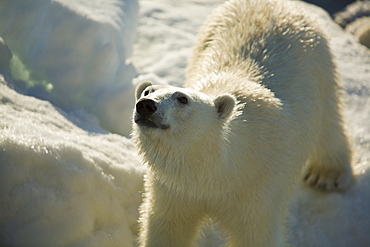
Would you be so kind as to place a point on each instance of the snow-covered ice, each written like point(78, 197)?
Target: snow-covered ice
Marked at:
point(61, 185)
point(75, 53)
point(64, 181)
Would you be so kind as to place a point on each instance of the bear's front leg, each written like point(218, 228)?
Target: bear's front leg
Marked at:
point(253, 219)
point(168, 220)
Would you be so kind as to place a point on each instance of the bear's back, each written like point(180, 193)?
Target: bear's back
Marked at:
point(272, 43)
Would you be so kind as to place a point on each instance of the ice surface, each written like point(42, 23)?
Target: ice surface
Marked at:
point(66, 182)
point(76, 52)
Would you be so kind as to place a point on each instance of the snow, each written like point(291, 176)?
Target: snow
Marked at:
point(60, 184)
point(74, 53)
point(166, 32)
point(65, 181)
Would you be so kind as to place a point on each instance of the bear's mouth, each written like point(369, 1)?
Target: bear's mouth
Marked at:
point(150, 124)
point(146, 123)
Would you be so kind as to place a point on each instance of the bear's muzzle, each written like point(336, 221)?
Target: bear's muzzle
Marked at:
point(145, 108)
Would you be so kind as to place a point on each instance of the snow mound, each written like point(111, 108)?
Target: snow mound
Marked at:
point(74, 53)
point(61, 185)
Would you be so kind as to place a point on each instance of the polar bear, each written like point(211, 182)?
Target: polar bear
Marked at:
point(261, 109)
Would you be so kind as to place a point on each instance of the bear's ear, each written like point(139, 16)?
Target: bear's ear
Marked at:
point(141, 87)
point(225, 105)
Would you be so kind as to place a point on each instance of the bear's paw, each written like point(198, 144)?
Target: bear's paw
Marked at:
point(328, 179)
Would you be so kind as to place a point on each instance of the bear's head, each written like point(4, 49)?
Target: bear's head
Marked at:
point(179, 111)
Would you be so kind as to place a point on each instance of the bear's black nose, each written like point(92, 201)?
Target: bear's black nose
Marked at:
point(146, 107)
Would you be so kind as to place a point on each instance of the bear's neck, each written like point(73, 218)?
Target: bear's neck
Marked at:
point(192, 167)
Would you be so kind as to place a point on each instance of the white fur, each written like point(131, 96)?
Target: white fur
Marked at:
point(263, 101)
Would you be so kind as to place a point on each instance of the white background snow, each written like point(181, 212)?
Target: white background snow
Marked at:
point(65, 181)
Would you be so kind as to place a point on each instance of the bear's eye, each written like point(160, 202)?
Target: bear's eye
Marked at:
point(146, 93)
point(182, 100)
